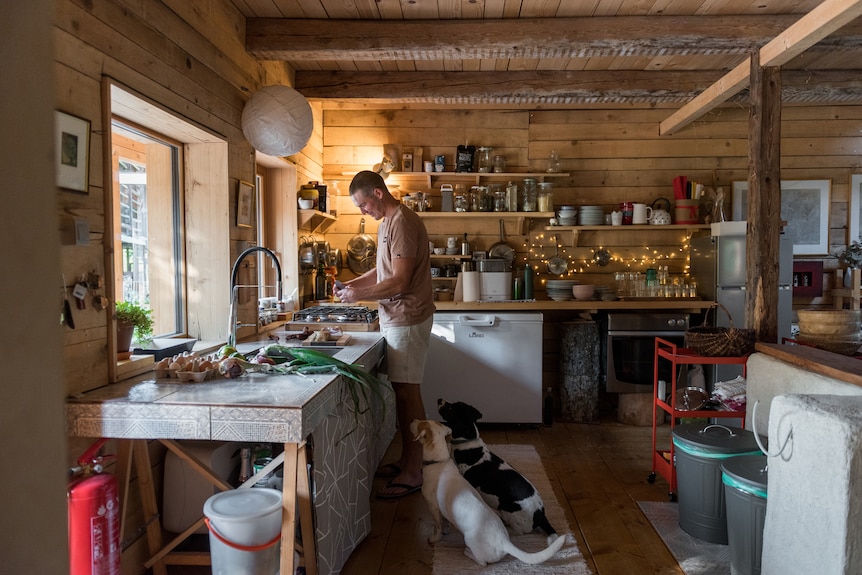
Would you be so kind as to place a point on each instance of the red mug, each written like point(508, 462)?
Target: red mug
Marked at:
point(627, 208)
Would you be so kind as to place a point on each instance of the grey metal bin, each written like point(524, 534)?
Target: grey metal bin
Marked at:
point(744, 480)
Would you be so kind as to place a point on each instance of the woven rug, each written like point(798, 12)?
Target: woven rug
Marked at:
point(449, 555)
point(695, 556)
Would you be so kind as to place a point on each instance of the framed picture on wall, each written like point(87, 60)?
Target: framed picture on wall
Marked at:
point(72, 149)
point(805, 208)
point(244, 204)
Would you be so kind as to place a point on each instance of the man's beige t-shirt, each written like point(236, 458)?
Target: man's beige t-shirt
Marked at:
point(404, 236)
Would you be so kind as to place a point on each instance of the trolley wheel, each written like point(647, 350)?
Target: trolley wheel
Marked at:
point(672, 496)
point(651, 478)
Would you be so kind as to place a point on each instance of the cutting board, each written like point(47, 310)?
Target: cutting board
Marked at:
point(340, 342)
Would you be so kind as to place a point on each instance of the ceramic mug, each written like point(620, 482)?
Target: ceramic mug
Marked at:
point(641, 213)
point(616, 218)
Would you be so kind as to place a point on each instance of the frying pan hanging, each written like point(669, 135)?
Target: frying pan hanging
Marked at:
point(361, 251)
point(557, 265)
point(502, 249)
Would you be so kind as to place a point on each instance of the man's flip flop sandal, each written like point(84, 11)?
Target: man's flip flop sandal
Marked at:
point(406, 490)
point(388, 470)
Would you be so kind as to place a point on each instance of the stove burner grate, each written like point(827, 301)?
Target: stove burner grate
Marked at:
point(336, 314)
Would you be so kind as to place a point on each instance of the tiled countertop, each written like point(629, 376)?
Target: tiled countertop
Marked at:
point(254, 407)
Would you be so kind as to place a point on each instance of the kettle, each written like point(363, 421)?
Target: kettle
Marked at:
point(660, 216)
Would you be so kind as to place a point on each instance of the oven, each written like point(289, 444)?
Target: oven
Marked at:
point(630, 348)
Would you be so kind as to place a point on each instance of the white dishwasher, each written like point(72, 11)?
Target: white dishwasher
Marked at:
point(493, 361)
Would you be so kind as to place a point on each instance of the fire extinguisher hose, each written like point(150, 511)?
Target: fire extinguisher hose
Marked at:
point(229, 543)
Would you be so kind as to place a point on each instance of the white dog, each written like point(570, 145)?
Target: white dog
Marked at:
point(450, 495)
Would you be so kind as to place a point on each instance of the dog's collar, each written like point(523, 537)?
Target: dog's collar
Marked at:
point(433, 462)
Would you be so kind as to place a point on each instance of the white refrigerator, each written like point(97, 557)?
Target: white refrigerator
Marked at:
point(492, 361)
point(718, 266)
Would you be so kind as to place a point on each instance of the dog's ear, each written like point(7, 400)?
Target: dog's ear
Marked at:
point(473, 413)
point(419, 429)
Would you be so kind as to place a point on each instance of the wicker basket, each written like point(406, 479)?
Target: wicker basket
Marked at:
point(719, 341)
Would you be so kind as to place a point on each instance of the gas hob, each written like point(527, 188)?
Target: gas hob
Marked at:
point(348, 318)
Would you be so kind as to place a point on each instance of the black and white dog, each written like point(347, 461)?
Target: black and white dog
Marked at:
point(502, 487)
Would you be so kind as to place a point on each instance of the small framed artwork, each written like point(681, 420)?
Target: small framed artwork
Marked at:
point(72, 149)
point(855, 208)
point(805, 208)
point(244, 204)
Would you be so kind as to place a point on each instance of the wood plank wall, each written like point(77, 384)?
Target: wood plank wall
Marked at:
point(190, 62)
point(612, 154)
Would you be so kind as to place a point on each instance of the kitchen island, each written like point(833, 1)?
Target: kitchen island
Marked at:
point(286, 409)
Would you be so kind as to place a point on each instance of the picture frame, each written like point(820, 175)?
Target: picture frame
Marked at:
point(244, 204)
point(805, 208)
point(854, 209)
point(72, 152)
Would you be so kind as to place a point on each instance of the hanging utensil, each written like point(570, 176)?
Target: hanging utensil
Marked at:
point(502, 249)
point(557, 265)
point(361, 251)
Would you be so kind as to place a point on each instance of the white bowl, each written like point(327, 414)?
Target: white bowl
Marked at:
point(439, 251)
point(583, 291)
point(306, 204)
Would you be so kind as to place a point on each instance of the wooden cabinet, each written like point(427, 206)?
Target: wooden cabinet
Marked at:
point(663, 459)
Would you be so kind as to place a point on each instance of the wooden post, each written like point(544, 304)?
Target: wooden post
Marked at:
point(579, 369)
point(764, 200)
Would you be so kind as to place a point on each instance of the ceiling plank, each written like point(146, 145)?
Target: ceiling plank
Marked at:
point(822, 21)
point(318, 39)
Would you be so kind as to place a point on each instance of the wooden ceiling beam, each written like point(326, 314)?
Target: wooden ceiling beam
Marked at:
point(554, 87)
point(374, 40)
point(825, 19)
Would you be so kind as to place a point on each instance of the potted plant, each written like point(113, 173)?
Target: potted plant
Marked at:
point(133, 322)
point(852, 258)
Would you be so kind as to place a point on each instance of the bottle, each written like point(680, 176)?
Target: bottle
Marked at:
point(465, 246)
point(245, 465)
point(548, 408)
point(320, 288)
point(512, 197)
point(528, 282)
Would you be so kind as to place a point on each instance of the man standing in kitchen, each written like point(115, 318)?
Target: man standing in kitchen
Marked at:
point(401, 283)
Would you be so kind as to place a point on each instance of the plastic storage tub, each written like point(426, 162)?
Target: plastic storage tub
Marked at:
point(700, 450)
point(744, 480)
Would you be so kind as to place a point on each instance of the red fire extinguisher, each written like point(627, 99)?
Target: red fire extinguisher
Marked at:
point(94, 516)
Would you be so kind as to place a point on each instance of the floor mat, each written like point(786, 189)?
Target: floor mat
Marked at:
point(695, 556)
point(449, 555)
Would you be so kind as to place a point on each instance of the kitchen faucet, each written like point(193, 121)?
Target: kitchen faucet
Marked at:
point(232, 320)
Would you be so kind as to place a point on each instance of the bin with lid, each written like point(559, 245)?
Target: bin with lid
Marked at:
point(700, 449)
point(745, 481)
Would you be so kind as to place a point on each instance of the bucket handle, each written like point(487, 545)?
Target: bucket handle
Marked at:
point(727, 429)
point(229, 543)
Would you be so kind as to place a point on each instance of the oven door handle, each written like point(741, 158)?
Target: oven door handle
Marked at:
point(647, 333)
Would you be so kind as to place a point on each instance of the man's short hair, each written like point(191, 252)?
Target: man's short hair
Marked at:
point(365, 181)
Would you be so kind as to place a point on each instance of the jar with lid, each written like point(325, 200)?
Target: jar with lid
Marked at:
point(529, 195)
point(484, 160)
point(461, 204)
point(499, 164)
point(500, 200)
point(545, 199)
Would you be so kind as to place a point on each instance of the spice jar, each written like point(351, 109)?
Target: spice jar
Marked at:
point(512, 196)
point(484, 160)
point(545, 197)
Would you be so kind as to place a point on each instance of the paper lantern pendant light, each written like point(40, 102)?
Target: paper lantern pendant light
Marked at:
point(277, 121)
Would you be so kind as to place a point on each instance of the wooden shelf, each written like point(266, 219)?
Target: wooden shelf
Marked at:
point(314, 220)
point(629, 227)
point(452, 257)
point(475, 177)
point(491, 215)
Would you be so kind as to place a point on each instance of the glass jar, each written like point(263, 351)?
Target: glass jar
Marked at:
point(501, 203)
point(499, 164)
point(545, 201)
point(484, 160)
point(529, 196)
point(554, 162)
point(461, 204)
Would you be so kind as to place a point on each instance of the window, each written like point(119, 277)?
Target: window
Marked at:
point(169, 226)
point(147, 197)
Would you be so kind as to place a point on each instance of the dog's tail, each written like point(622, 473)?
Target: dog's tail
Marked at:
point(539, 556)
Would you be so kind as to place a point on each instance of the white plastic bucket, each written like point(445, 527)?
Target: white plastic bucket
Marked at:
point(245, 531)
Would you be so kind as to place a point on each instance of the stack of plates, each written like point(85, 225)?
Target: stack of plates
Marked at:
point(567, 216)
point(605, 293)
point(591, 216)
point(560, 290)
